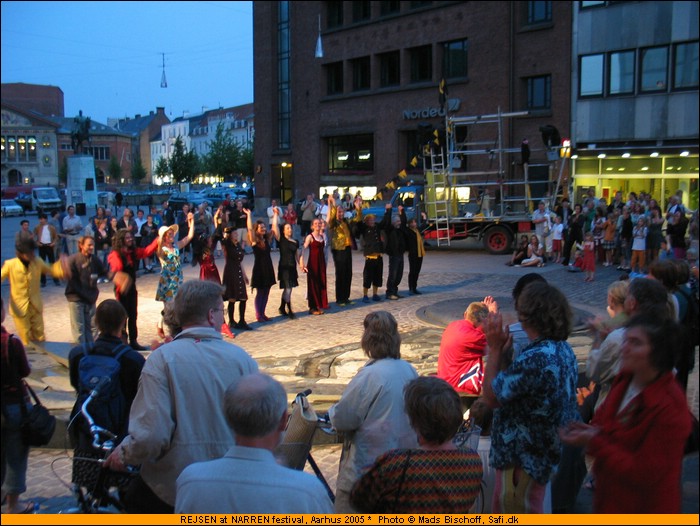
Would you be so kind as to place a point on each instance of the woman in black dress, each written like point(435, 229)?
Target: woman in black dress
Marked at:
point(263, 271)
point(235, 278)
point(287, 269)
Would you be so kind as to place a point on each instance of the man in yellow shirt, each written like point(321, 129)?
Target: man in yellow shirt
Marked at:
point(341, 246)
point(24, 273)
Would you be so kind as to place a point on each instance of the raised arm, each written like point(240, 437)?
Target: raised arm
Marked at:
point(190, 234)
point(249, 223)
point(275, 222)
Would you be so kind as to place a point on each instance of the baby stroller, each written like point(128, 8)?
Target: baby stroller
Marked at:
point(295, 449)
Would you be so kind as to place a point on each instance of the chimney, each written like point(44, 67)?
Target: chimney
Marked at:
point(160, 109)
point(138, 116)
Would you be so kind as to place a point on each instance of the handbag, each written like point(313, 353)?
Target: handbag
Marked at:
point(38, 425)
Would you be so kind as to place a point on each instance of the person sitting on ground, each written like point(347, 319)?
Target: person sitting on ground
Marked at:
point(248, 479)
point(462, 350)
point(438, 476)
point(520, 253)
point(535, 254)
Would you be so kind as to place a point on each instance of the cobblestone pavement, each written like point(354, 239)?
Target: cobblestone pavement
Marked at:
point(320, 352)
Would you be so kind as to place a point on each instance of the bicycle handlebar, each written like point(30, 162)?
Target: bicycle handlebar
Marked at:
point(96, 431)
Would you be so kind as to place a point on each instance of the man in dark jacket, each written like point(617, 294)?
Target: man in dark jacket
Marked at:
point(373, 246)
point(395, 248)
point(82, 291)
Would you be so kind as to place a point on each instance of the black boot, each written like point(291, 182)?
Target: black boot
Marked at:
point(282, 310)
point(290, 314)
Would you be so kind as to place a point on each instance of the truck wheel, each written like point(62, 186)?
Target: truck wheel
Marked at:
point(498, 240)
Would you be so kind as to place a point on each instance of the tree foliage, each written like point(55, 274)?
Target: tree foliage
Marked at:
point(184, 165)
point(162, 168)
point(246, 163)
point(223, 157)
point(114, 169)
point(138, 172)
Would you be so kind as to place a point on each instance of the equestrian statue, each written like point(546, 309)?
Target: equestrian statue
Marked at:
point(80, 133)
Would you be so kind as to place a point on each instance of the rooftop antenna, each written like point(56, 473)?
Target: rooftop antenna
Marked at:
point(319, 44)
point(163, 81)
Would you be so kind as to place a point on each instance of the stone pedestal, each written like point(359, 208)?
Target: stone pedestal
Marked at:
point(81, 190)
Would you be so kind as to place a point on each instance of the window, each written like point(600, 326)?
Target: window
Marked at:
point(334, 78)
point(591, 76)
point(539, 12)
point(335, 14)
point(591, 3)
point(284, 98)
point(360, 11)
point(539, 93)
point(417, 4)
point(351, 153)
point(421, 63)
point(389, 69)
point(685, 66)
point(653, 69)
point(387, 8)
point(360, 74)
point(455, 58)
point(621, 73)
point(31, 149)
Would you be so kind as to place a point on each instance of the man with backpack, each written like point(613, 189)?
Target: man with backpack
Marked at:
point(87, 364)
point(177, 418)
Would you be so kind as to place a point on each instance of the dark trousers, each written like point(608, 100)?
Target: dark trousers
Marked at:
point(47, 254)
point(139, 498)
point(395, 274)
point(130, 303)
point(343, 274)
point(414, 265)
point(373, 272)
point(572, 238)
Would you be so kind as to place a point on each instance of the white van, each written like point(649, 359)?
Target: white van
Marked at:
point(46, 199)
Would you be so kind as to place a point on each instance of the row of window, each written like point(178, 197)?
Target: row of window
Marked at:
point(420, 67)
point(644, 70)
point(18, 148)
point(537, 11)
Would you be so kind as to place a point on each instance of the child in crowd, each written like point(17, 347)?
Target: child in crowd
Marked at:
point(589, 248)
point(557, 238)
point(578, 261)
point(639, 245)
point(665, 252)
point(609, 230)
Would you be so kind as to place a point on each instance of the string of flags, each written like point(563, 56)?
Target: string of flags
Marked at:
point(395, 181)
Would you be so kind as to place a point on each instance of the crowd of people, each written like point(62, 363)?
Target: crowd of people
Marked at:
point(628, 428)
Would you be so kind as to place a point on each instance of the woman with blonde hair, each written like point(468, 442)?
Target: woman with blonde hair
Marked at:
point(371, 412)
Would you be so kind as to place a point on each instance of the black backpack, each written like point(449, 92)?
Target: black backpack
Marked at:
point(108, 409)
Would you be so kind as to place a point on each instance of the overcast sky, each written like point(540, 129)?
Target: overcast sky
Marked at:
point(107, 56)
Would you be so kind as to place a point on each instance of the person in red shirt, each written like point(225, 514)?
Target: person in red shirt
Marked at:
point(462, 351)
point(123, 262)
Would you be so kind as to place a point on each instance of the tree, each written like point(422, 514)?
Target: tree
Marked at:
point(138, 172)
point(114, 169)
point(246, 162)
point(162, 168)
point(224, 154)
point(183, 165)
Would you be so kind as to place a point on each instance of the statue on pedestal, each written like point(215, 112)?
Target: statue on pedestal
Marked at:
point(81, 133)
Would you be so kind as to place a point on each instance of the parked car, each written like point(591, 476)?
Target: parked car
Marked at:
point(178, 199)
point(25, 201)
point(10, 207)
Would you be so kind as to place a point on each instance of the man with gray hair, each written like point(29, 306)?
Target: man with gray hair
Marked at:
point(176, 417)
point(248, 479)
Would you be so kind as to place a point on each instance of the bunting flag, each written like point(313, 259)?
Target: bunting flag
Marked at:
point(403, 173)
point(391, 185)
point(414, 162)
point(442, 88)
point(437, 138)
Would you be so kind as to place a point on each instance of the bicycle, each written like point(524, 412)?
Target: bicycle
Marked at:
point(97, 496)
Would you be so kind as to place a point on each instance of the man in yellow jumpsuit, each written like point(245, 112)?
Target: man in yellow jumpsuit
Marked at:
point(24, 273)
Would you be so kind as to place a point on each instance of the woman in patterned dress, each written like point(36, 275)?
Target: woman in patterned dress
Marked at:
point(263, 271)
point(170, 268)
point(287, 269)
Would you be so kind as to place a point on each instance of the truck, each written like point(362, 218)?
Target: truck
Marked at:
point(46, 199)
point(469, 193)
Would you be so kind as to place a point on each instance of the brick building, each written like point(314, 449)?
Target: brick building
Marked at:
point(352, 118)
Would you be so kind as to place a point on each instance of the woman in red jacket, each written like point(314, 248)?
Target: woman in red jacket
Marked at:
point(638, 434)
